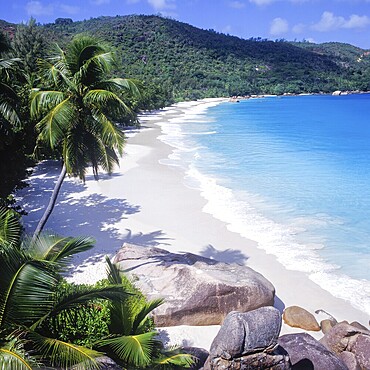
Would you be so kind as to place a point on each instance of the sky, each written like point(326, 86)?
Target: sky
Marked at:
point(312, 20)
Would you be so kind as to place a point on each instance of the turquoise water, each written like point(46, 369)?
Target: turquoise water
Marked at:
point(292, 173)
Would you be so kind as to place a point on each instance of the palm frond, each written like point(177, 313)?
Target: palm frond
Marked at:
point(110, 134)
point(9, 114)
point(83, 294)
point(58, 249)
point(41, 101)
point(63, 354)
point(100, 98)
point(114, 276)
point(55, 72)
point(142, 315)
point(53, 126)
point(10, 228)
point(93, 65)
point(173, 358)
point(130, 85)
point(28, 293)
point(133, 350)
point(8, 63)
point(12, 359)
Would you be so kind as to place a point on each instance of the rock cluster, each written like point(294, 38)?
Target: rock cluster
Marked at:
point(196, 290)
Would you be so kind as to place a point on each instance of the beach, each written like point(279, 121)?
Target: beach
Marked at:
point(148, 202)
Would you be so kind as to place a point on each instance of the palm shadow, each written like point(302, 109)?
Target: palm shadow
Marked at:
point(227, 255)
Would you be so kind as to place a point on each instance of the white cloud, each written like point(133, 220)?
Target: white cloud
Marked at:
point(279, 26)
point(237, 4)
point(267, 2)
point(262, 2)
point(100, 2)
point(162, 4)
point(357, 21)
point(36, 8)
point(331, 22)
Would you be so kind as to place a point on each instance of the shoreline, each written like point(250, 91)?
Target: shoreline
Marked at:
point(137, 205)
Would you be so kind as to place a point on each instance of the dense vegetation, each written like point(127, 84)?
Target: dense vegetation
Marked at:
point(185, 62)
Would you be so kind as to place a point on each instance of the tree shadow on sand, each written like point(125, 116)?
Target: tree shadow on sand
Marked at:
point(227, 255)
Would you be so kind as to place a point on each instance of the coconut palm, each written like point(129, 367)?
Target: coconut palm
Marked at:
point(76, 111)
point(29, 298)
point(8, 98)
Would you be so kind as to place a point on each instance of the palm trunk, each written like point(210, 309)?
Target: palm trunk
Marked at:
point(51, 204)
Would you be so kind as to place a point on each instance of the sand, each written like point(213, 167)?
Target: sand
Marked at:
point(147, 202)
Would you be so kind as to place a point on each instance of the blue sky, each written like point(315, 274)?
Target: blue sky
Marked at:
point(313, 20)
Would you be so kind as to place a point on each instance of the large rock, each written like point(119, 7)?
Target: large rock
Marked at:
point(245, 333)
point(248, 341)
point(342, 337)
point(361, 349)
point(305, 352)
point(350, 360)
point(298, 317)
point(197, 290)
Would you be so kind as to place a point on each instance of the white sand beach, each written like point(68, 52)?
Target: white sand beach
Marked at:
point(147, 202)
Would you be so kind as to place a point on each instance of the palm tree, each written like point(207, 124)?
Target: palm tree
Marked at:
point(9, 119)
point(29, 283)
point(76, 111)
point(132, 341)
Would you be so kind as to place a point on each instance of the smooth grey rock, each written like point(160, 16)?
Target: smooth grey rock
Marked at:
point(196, 290)
point(305, 352)
point(245, 333)
point(298, 317)
point(350, 360)
point(341, 337)
point(361, 349)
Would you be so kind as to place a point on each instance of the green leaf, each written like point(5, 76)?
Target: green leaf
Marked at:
point(63, 354)
point(133, 350)
point(10, 228)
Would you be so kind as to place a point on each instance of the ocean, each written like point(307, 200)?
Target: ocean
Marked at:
point(293, 174)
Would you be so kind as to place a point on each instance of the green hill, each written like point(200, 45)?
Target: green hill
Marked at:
point(188, 62)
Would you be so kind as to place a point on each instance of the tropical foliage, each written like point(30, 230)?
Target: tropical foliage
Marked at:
point(30, 299)
point(77, 109)
point(45, 321)
point(189, 63)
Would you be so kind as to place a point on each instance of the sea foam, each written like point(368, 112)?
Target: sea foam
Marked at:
point(241, 213)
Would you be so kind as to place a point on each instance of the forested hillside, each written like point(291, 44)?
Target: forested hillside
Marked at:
point(180, 61)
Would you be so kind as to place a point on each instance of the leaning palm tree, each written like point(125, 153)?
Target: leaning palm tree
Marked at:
point(76, 111)
point(29, 299)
